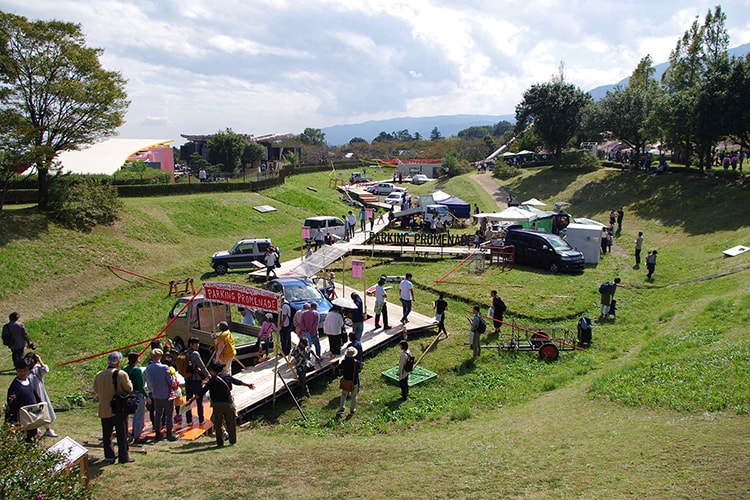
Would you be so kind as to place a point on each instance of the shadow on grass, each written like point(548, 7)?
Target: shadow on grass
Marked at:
point(24, 224)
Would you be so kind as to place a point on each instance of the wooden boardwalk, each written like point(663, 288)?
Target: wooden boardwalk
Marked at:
point(414, 249)
point(263, 376)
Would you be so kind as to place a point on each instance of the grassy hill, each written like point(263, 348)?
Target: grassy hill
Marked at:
point(656, 408)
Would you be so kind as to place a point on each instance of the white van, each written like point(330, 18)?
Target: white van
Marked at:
point(326, 223)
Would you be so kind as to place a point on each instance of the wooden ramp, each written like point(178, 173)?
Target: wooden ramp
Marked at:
point(262, 374)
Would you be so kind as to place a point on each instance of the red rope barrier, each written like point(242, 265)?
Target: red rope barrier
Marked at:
point(109, 266)
point(542, 334)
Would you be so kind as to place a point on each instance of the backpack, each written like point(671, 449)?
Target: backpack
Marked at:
point(482, 326)
point(605, 287)
point(184, 365)
point(7, 338)
point(409, 365)
point(503, 307)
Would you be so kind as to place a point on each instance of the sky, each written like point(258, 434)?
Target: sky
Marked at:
point(280, 66)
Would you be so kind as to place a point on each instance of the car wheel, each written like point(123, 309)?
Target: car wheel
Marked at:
point(221, 269)
point(554, 267)
point(179, 344)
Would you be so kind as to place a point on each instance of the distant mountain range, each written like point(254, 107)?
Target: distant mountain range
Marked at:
point(451, 125)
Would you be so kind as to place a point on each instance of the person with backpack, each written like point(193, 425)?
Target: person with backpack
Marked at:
point(190, 365)
point(498, 308)
point(225, 347)
point(405, 367)
point(15, 336)
point(607, 292)
point(107, 383)
point(139, 387)
point(478, 327)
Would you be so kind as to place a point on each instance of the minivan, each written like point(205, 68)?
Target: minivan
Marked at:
point(544, 250)
point(326, 223)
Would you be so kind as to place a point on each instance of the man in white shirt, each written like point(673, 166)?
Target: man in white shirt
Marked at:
point(380, 305)
point(406, 290)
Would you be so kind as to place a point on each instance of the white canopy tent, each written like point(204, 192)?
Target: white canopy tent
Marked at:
point(512, 214)
point(534, 203)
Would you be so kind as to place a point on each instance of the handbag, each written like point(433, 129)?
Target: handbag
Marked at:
point(180, 400)
point(346, 385)
point(34, 416)
point(123, 404)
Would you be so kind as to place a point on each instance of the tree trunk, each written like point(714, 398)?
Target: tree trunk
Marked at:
point(42, 174)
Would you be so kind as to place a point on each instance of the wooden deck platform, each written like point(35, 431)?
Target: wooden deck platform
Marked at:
point(262, 375)
point(412, 249)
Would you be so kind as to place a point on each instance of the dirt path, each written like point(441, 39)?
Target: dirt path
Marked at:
point(493, 188)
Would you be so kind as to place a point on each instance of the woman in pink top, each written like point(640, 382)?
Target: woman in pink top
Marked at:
point(265, 335)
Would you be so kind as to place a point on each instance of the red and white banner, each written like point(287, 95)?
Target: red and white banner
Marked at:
point(242, 295)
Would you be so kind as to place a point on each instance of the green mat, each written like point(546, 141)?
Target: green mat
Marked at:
point(418, 376)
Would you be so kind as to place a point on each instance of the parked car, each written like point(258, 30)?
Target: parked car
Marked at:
point(326, 223)
point(297, 291)
point(382, 188)
point(357, 178)
point(420, 179)
point(543, 250)
point(241, 256)
point(395, 198)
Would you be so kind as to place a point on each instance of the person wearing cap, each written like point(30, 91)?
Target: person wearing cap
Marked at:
point(106, 384)
point(380, 305)
point(349, 373)
point(160, 383)
point(265, 336)
point(225, 348)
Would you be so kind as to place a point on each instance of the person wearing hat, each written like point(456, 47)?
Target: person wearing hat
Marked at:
point(349, 381)
point(380, 305)
point(225, 348)
point(265, 336)
point(109, 381)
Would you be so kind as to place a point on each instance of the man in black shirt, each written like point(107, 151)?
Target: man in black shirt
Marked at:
point(219, 387)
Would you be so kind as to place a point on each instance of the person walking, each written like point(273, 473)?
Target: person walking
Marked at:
point(607, 292)
point(225, 346)
point(362, 219)
point(107, 383)
point(350, 369)
point(651, 263)
point(638, 246)
point(219, 387)
point(440, 306)
point(381, 307)
point(16, 337)
point(498, 309)
point(403, 374)
point(406, 294)
point(20, 394)
point(271, 259)
point(37, 372)
point(139, 387)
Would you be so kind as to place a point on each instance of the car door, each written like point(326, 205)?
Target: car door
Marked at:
point(260, 250)
point(242, 255)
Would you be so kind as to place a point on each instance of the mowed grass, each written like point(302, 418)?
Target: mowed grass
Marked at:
point(656, 408)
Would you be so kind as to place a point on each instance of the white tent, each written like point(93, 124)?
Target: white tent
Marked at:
point(512, 214)
point(534, 203)
point(439, 196)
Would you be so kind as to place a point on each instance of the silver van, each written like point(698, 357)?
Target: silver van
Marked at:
point(326, 223)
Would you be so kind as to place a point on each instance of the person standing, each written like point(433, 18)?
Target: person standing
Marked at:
point(196, 373)
point(160, 383)
point(605, 240)
point(285, 334)
point(318, 238)
point(310, 322)
point(440, 306)
point(139, 387)
point(225, 348)
point(403, 375)
point(498, 309)
point(37, 372)
point(20, 394)
point(332, 326)
point(352, 224)
point(107, 383)
point(362, 218)
point(381, 307)
point(271, 258)
point(406, 294)
point(347, 229)
point(651, 263)
point(219, 387)
point(638, 246)
point(478, 326)
point(248, 316)
point(16, 337)
point(358, 315)
point(302, 364)
point(607, 292)
point(349, 381)
point(620, 215)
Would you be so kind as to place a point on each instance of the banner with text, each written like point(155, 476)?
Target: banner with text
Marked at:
point(242, 295)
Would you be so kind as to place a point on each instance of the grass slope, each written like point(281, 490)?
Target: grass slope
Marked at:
point(657, 407)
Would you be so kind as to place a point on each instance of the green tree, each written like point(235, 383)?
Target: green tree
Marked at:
point(54, 85)
point(555, 108)
point(312, 136)
point(225, 149)
point(737, 115)
point(435, 135)
point(253, 152)
point(197, 162)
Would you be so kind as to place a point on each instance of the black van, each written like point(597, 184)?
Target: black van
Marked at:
point(544, 250)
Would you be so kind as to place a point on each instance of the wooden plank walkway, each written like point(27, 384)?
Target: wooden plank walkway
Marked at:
point(262, 374)
point(412, 249)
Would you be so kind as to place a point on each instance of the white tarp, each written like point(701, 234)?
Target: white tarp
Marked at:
point(439, 196)
point(514, 214)
point(534, 203)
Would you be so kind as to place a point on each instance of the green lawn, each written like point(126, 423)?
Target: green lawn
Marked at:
point(656, 408)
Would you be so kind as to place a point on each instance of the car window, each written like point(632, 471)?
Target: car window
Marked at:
point(245, 248)
point(263, 246)
point(335, 222)
point(176, 308)
point(274, 287)
point(298, 293)
point(312, 223)
point(559, 244)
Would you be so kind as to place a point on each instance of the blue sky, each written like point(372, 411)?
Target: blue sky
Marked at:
point(279, 66)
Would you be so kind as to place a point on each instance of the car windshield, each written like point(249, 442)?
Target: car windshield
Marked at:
point(298, 293)
point(559, 244)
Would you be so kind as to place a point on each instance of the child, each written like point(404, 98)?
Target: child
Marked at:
point(265, 335)
point(612, 309)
